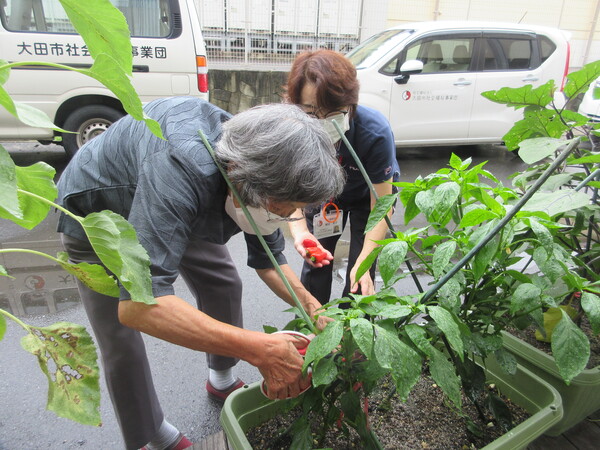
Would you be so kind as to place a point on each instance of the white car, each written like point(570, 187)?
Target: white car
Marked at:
point(427, 77)
point(589, 105)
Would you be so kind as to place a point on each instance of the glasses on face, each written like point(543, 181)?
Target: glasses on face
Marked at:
point(272, 217)
point(317, 114)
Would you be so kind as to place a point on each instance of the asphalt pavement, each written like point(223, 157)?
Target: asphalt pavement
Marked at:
point(179, 373)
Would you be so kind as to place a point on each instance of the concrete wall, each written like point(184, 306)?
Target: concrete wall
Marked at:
point(238, 90)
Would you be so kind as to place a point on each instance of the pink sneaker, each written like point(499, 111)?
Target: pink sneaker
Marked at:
point(220, 395)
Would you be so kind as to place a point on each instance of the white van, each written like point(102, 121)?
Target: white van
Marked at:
point(169, 58)
point(427, 77)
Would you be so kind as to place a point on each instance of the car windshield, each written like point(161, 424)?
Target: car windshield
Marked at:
point(376, 46)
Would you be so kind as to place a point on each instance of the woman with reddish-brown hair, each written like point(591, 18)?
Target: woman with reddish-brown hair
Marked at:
point(323, 83)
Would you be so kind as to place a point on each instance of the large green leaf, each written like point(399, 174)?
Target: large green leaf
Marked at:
point(591, 305)
point(536, 122)
point(403, 362)
point(93, 276)
point(368, 262)
point(535, 149)
point(9, 199)
point(104, 31)
point(4, 71)
point(380, 210)
point(323, 344)
point(391, 258)
point(523, 96)
point(6, 100)
point(570, 347)
point(476, 216)
point(39, 180)
point(445, 322)
point(362, 332)
point(579, 81)
point(525, 297)
point(34, 117)
point(553, 203)
point(115, 242)
point(443, 373)
point(73, 388)
point(441, 257)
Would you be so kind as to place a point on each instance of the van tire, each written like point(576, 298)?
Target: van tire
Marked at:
point(88, 122)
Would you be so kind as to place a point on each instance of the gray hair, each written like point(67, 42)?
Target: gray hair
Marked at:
point(278, 152)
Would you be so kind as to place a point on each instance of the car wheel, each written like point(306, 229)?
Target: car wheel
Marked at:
point(88, 122)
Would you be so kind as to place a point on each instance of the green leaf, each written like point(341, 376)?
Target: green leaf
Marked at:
point(325, 372)
point(104, 32)
point(536, 149)
point(525, 296)
point(455, 162)
point(34, 117)
point(441, 257)
point(362, 332)
point(543, 235)
point(523, 96)
point(39, 180)
point(475, 217)
point(9, 200)
point(591, 305)
point(380, 210)
point(93, 276)
point(323, 344)
point(368, 262)
point(403, 362)
point(484, 258)
point(73, 387)
point(535, 123)
point(579, 81)
point(418, 336)
point(395, 311)
point(115, 242)
point(2, 326)
point(553, 203)
point(391, 258)
point(6, 100)
point(570, 347)
point(445, 322)
point(443, 373)
point(506, 360)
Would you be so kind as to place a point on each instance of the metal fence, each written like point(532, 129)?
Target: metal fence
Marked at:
point(260, 32)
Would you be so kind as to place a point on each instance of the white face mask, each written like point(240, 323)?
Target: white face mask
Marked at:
point(260, 216)
point(343, 120)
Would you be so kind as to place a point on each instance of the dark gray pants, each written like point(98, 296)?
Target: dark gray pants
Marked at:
point(212, 278)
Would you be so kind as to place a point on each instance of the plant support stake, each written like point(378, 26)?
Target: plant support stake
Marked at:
point(514, 210)
point(259, 235)
point(375, 196)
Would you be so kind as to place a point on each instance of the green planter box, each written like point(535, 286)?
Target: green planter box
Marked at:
point(579, 399)
point(247, 407)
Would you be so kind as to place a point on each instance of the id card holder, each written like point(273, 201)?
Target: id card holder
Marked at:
point(327, 224)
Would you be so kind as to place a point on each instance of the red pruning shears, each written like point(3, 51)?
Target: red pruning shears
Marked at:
point(302, 351)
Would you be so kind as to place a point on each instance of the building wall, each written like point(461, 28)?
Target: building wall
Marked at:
point(238, 90)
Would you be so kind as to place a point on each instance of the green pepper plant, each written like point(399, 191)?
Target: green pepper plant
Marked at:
point(65, 351)
point(544, 128)
point(494, 256)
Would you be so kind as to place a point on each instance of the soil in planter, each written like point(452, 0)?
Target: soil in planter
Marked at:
point(424, 421)
point(528, 335)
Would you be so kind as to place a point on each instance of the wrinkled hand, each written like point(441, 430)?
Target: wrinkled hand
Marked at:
point(282, 369)
point(365, 282)
point(321, 321)
point(301, 248)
